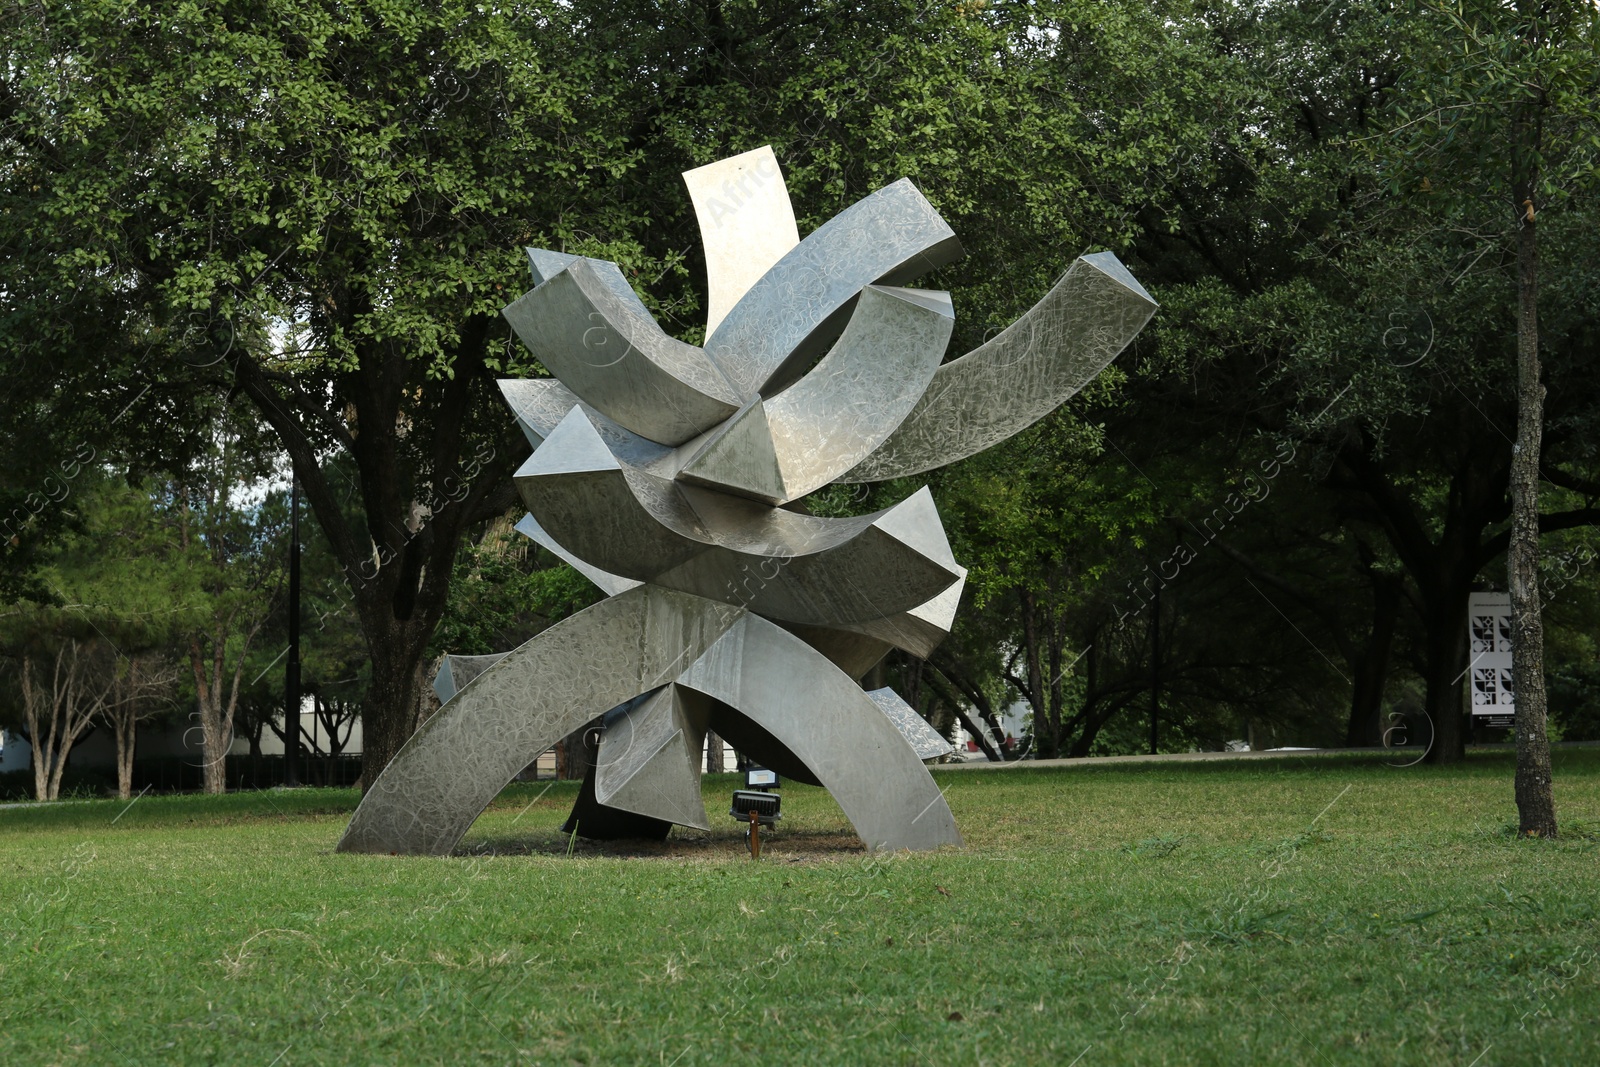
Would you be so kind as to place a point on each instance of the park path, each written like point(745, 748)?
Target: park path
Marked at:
point(1189, 757)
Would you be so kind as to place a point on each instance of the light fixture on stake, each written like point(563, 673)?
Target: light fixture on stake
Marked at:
point(759, 803)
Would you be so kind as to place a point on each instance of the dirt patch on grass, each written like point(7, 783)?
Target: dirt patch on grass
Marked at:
point(717, 845)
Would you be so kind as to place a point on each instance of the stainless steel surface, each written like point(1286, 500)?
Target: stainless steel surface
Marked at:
point(924, 739)
point(618, 361)
point(789, 566)
point(1031, 368)
point(538, 404)
point(746, 224)
point(610, 584)
point(823, 717)
point(794, 312)
point(841, 410)
point(649, 761)
point(658, 463)
point(575, 671)
point(546, 265)
point(456, 672)
point(740, 457)
point(920, 630)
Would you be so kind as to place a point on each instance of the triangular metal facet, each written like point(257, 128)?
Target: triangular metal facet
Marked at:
point(545, 264)
point(915, 522)
point(573, 447)
point(1108, 264)
point(740, 458)
point(648, 762)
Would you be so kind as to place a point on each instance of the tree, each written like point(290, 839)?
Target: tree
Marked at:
point(1507, 119)
point(141, 688)
point(112, 599)
point(1321, 291)
point(383, 171)
point(232, 553)
point(62, 694)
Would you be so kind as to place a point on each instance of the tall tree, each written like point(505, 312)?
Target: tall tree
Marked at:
point(1504, 126)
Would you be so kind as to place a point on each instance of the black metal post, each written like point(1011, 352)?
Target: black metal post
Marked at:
point(291, 671)
point(1155, 669)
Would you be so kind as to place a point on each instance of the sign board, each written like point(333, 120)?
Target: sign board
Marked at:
point(1494, 697)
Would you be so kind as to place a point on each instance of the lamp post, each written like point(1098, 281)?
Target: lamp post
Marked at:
point(291, 670)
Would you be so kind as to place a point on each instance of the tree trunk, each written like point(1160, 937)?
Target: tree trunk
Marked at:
point(392, 706)
point(1446, 639)
point(399, 555)
point(1033, 686)
point(40, 746)
point(1442, 570)
point(213, 744)
point(974, 695)
point(218, 699)
point(1047, 742)
point(1371, 668)
point(125, 724)
point(713, 753)
point(572, 753)
point(1536, 808)
point(1099, 705)
point(70, 713)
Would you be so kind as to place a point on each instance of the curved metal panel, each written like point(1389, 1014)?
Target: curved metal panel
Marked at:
point(913, 727)
point(546, 265)
point(746, 224)
point(575, 671)
point(794, 312)
point(538, 404)
point(920, 630)
point(834, 417)
point(815, 710)
point(851, 652)
point(622, 363)
point(1006, 385)
point(799, 568)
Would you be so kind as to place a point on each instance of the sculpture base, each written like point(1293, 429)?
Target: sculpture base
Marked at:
point(595, 821)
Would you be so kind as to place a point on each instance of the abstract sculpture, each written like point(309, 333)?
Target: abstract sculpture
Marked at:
point(672, 476)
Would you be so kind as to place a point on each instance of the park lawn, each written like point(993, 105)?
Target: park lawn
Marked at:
point(1300, 910)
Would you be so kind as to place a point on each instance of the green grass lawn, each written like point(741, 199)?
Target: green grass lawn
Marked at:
point(1304, 911)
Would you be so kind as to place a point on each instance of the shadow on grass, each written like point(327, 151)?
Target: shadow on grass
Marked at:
point(776, 846)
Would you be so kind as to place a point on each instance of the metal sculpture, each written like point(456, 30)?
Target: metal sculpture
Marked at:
point(671, 475)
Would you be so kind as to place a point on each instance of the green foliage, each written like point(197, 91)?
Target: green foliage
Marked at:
point(506, 590)
point(119, 576)
point(321, 206)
